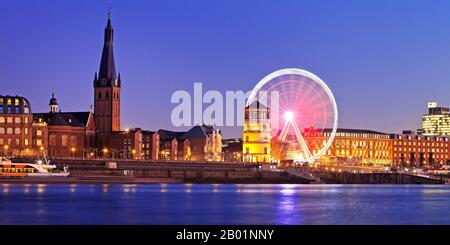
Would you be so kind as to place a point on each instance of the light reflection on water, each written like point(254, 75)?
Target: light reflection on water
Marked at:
point(224, 204)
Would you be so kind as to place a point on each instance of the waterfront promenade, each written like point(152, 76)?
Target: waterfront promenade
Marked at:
point(104, 171)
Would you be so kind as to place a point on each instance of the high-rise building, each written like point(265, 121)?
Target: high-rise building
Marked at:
point(107, 90)
point(436, 122)
point(256, 135)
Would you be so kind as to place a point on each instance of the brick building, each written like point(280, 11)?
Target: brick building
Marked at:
point(414, 150)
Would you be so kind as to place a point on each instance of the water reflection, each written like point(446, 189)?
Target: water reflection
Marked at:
point(105, 188)
point(41, 188)
point(224, 204)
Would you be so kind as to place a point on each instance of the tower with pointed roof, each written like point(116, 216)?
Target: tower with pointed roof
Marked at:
point(53, 104)
point(107, 87)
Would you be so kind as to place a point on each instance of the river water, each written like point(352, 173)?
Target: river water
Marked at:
point(224, 204)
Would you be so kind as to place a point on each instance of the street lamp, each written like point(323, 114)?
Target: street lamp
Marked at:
point(6, 147)
point(105, 151)
point(73, 151)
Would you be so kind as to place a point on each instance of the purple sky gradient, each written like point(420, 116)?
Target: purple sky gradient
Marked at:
point(382, 59)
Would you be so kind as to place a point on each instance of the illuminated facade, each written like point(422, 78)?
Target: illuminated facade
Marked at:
point(15, 125)
point(256, 135)
point(419, 150)
point(436, 122)
point(353, 146)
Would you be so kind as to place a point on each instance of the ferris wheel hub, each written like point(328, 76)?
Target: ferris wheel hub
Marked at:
point(289, 116)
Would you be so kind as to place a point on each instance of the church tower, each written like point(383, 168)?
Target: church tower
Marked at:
point(107, 88)
point(53, 104)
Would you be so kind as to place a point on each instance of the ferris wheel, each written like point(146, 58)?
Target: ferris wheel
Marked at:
point(301, 106)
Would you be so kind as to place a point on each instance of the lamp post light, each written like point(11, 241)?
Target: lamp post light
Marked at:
point(105, 152)
point(133, 152)
point(73, 151)
point(6, 147)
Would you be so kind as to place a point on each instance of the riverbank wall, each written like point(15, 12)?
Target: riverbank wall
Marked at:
point(216, 172)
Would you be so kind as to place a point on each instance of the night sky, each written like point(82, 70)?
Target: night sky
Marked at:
point(382, 59)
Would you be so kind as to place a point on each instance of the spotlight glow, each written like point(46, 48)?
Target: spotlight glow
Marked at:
point(289, 116)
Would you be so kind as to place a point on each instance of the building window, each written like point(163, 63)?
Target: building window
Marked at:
point(246, 138)
point(26, 142)
point(2, 119)
point(38, 142)
point(265, 150)
point(107, 95)
point(1, 141)
point(9, 120)
point(73, 140)
point(64, 140)
point(9, 131)
point(17, 141)
point(17, 131)
point(99, 95)
point(2, 130)
point(1, 109)
point(38, 132)
point(52, 140)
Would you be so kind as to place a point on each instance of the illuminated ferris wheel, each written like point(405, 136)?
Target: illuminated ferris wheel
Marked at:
point(303, 114)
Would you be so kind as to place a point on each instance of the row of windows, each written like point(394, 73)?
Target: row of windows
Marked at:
point(13, 142)
point(409, 137)
point(444, 156)
point(420, 149)
point(9, 101)
point(12, 120)
point(359, 135)
point(12, 130)
point(361, 143)
point(65, 140)
point(257, 115)
point(419, 143)
point(13, 110)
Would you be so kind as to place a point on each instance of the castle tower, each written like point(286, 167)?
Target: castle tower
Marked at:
point(256, 135)
point(107, 88)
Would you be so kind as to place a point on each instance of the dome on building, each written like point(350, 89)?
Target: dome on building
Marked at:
point(53, 100)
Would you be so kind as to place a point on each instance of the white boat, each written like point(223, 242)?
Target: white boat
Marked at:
point(41, 168)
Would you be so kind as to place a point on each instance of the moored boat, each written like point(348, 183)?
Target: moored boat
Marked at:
point(41, 168)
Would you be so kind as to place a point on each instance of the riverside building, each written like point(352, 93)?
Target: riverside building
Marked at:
point(436, 122)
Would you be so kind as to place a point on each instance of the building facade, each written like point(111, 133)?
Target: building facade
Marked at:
point(353, 146)
point(64, 134)
point(256, 134)
point(15, 126)
point(124, 144)
point(436, 122)
point(414, 150)
point(150, 145)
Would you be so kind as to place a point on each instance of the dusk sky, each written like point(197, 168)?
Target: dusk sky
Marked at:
point(383, 60)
